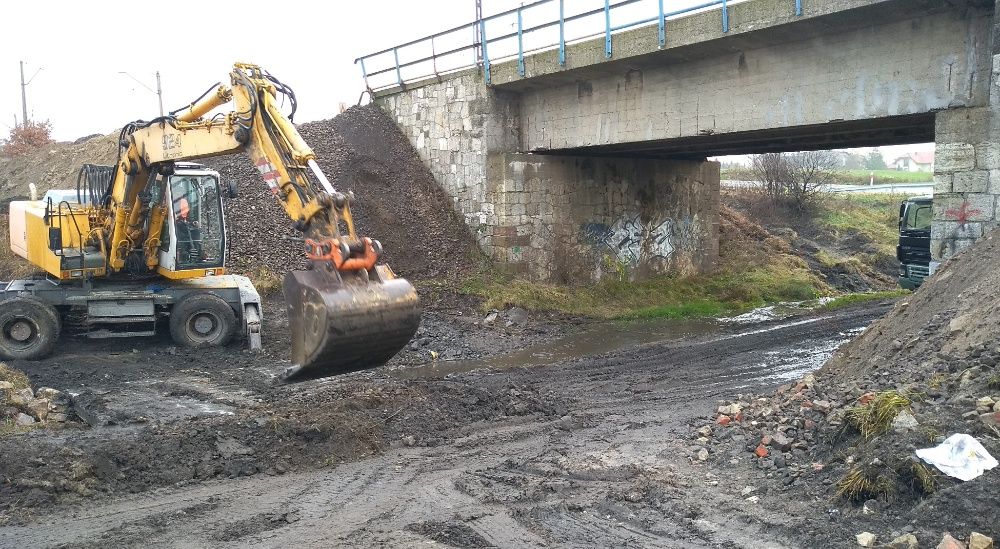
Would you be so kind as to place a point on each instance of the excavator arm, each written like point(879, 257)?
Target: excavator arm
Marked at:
point(346, 312)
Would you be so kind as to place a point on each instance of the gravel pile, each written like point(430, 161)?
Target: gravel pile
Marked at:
point(846, 435)
point(398, 202)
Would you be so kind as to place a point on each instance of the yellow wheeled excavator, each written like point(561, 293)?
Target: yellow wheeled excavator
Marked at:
point(145, 240)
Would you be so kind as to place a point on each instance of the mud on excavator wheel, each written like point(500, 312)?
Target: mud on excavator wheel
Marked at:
point(344, 322)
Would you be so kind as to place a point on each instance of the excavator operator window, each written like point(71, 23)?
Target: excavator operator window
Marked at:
point(197, 213)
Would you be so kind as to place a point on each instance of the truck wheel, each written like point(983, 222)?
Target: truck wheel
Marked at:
point(29, 328)
point(202, 320)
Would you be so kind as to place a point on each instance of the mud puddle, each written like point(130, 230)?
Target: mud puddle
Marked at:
point(615, 336)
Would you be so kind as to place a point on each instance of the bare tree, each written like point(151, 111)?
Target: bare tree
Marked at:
point(794, 178)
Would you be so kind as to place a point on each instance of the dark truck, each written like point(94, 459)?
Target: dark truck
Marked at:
point(914, 249)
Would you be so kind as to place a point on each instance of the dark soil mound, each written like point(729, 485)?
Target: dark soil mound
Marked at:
point(398, 201)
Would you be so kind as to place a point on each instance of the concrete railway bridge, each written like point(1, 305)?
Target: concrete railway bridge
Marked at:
point(574, 141)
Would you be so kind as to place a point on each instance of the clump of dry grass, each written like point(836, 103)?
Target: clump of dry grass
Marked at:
point(266, 281)
point(14, 377)
point(866, 482)
point(876, 417)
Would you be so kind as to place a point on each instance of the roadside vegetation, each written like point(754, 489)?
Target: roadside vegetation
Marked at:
point(845, 177)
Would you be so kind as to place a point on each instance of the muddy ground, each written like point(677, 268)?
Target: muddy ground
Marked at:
point(588, 451)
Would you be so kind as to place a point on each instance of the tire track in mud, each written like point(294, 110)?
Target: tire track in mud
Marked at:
point(611, 472)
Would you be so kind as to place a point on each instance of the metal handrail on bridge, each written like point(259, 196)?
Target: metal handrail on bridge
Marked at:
point(480, 45)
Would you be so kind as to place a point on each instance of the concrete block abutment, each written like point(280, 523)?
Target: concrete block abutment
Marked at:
point(573, 218)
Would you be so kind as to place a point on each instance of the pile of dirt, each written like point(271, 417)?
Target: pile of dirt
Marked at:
point(847, 434)
point(54, 166)
point(398, 201)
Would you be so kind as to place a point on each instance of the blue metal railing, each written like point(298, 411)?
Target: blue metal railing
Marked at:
point(457, 52)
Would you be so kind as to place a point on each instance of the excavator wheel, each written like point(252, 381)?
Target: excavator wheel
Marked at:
point(202, 320)
point(29, 328)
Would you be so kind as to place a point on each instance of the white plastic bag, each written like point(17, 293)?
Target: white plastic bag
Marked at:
point(959, 456)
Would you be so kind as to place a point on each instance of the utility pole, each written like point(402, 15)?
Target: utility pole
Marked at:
point(159, 93)
point(24, 97)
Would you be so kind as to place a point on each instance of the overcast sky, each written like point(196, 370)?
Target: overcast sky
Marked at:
point(74, 51)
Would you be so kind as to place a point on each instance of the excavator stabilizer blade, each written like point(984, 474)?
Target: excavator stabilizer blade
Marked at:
point(339, 327)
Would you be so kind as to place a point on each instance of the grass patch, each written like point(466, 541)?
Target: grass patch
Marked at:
point(876, 417)
point(664, 297)
point(993, 382)
point(14, 377)
point(846, 177)
point(874, 215)
point(10, 428)
point(847, 300)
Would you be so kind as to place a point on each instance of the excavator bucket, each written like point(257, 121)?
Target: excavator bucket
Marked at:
point(344, 324)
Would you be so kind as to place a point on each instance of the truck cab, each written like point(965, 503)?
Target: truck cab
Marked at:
point(914, 248)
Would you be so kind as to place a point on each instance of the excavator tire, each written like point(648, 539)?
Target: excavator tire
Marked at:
point(202, 320)
point(29, 328)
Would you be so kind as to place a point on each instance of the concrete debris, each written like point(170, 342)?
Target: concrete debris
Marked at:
point(705, 431)
point(47, 392)
point(866, 539)
point(948, 542)
point(703, 454)
point(906, 541)
point(39, 408)
point(980, 541)
point(45, 405)
point(516, 316)
point(904, 421)
point(490, 319)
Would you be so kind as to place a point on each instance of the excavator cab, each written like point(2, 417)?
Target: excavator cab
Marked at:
point(194, 243)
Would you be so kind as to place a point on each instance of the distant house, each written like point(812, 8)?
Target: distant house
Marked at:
point(915, 162)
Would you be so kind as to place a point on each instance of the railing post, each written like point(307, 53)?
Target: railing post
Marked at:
point(486, 55)
point(520, 44)
point(434, 58)
point(364, 72)
point(562, 33)
point(725, 17)
point(662, 26)
point(607, 29)
point(395, 53)
point(798, 7)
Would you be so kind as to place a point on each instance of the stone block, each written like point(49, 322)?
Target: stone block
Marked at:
point(968, 125)
point(954, 157)
point(977, 181)
point(988, 156)
point(943, 183)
